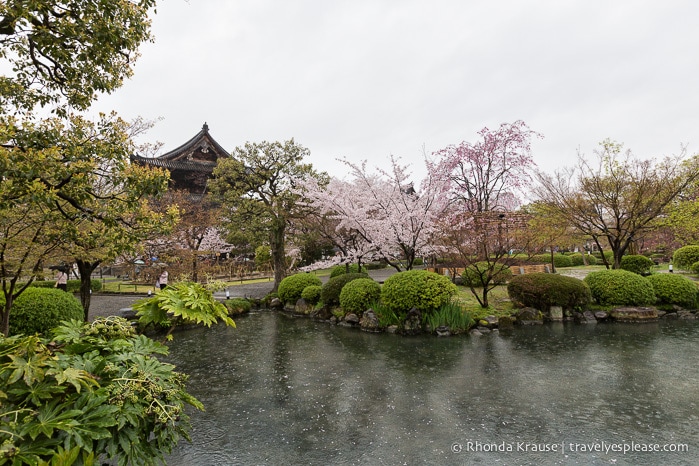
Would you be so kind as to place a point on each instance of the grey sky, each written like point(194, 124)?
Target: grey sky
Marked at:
point(365, 79)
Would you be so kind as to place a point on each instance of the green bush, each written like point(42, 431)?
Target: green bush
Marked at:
point(357, 295)
point(421, 289)
point(479, 273)
point(636, 263)
point(330, 293)
point(561, 261)
point(90, 393)
point(291, 287)
point(684, 257)
point(541, 258)
point(343, 269)
point(577, 259)
point(237, 305)
point(543, 290)
point(38, 310)
point(674, 289)
point(311, 294)
point(72, 286)
point(695, 267)
point(619, 287)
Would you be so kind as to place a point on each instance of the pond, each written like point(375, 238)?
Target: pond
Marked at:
point(284, 390)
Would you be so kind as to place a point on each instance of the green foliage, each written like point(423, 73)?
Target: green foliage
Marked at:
point(343, 269)
point(357, 295)
point(386, 315)
point(559, 260)
point(180, 304)
point(637, 263)
point(311, 294)
point(674, 289)
point(684, 257)
point(237, 305)
point(330, 293)
point(619, 287)
point(93, 389)
point(541, 258)
point(424, 290)
point(695, 267)
point(483, 273)
point(543, 290)
point(72, 286)
point(291, 287)
point(578, 260)
point(450, 315)
point(38, 310)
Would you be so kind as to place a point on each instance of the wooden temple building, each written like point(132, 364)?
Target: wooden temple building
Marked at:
point(190, 164)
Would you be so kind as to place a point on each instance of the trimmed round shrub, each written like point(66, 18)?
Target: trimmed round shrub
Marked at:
point(342, 269)
point(684, 257)
point(358, 295)
point(237, 305)
point(330, 294)
point(311, 294)
point(637, 264)
point(674, 289)
point(577, 259)
point(421, 289)
point(695, 267)
point(619, 287)
point(476, 274)
point(38, 310)
point(291, 287)
point(543, 290)
point(560, 261)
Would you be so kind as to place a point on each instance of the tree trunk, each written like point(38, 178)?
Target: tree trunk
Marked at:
point(276, 246)
point(85, 269)
point(6, 315)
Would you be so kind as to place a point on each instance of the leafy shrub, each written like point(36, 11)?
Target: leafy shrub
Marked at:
point(695, 267)
point(291, 287)
point(330, 293)
point(619, 287)
point(182, 303)
point(577, 259)
point(93, 389)
point(237, 305)
point(343, 269)
point(72, 286)
point(561, 261)
point(450, 315)
point(541, 258)
point(674, 289)
point(38, 310)
point(481, 272)
point(311, 294)
point(636, 263)
point(421, 289)
point(357, 295)
point(684, 257)
point(543, 290)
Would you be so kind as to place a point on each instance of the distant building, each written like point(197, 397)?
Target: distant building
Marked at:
point(191, 164)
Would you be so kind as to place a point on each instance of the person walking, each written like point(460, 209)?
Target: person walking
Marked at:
point(162, 280)
point(62, 281)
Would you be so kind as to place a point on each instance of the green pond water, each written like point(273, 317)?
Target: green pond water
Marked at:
point(283, 391)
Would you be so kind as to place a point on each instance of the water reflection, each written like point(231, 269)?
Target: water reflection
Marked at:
point(280, 390)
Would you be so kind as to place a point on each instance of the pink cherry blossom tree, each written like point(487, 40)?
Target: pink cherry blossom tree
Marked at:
point(485, 180)
point(380, 214)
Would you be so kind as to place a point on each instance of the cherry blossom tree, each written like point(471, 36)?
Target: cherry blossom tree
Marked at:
point(485, 180)
point(379, 214)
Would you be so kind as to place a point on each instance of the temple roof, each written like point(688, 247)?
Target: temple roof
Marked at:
point(198, 154)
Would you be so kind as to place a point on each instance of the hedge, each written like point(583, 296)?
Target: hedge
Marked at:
point(38, 310)
point(636, 263)
point(619, 287)
point(291, 287)
point(358, 295)
point(543, 290)
point(674, 289)
point(421, 289)
point(330, 293)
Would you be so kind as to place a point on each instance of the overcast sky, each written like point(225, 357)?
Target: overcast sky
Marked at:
point(364, 79)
